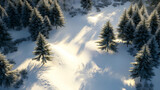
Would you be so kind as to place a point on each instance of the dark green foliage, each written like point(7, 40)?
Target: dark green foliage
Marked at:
point(6, 44)
point(19, 6)
point(3, 12)
point(107, 38)
point(42, 50)
point(26, 13)
point(142, 65)
point(86, 4)
point(140, 3)
point(153, 22)
point(142, 35)
point(158, 37)
point(47, 27)
point(122, 24)
point(56, 15)
point(36, 24)
point(130, 11)
point(137, 17)
point(7, 77)
point(24, 74)
point(144, 12)
point(44, 8)
point(153, 48)
point(13, 16)
point(129, 32)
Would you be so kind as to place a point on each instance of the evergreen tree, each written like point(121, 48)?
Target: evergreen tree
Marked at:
point(7, 77)
point(3, 12)
point(86, 4)
point(137, 17)
point(56, 15)
point(129, 32)
point(36, 24)
point(153, 48)
point(44, 8)
point(144, 12)
point(140, 3)
point(130, 11)
point(122, 24)
point(12, 16)
point(19, 6)
point(108, 37)
point(142, 35)
point(42, 50)
point(47, 27)
point(153, 22)
point(6, 44)
point(142, 65)
point(158, 37)
point(26, 13)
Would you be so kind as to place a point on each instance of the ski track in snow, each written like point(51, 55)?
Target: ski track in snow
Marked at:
point(77, 63)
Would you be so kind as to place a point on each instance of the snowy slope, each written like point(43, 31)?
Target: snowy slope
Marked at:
point(77, 63)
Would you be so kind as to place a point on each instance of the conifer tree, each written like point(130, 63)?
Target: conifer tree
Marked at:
point(26, 13)
point(7, 77)
point(122, 24)
point(130, 11)
point(153, 48)
point(144, 12)
point(137, 17)
point(36, 24)
point(3, 12)
point(153, 22)
point(142, 35)
point(142, 65)
point(47, 27)
point(129, 32)
point(42, 50)
point(56, 15)
point(86, 4)
point(12, 16)
point(140, 3)
point(107, 38)
point(44, 8)
point(158, 38)
point(19, 6)
point(6, 44)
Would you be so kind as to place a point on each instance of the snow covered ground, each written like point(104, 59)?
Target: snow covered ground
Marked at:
point(77, 62)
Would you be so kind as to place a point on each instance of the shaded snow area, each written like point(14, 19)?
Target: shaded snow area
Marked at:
point(78, 64)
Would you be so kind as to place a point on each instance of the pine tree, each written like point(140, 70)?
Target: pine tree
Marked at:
point(26, 13)
point(140, 3)
point(130, 11)
point(144, 12)
point(153, 48)
point(36, 24)
point(7, 77)
point(137, 17)
point(3, 12)
point(86, 5)
point(19, 6)
point(142, 35)
point(6, 44)
point(129, 32)
point(158, 38)
point(122, 24)
point(47, 27)
point(158, 9)
point(153, 22)
point(42, 50)
point(12, 16)
point(56, 15)
point(107, 38)
point(44, 8)
point(142, 65)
